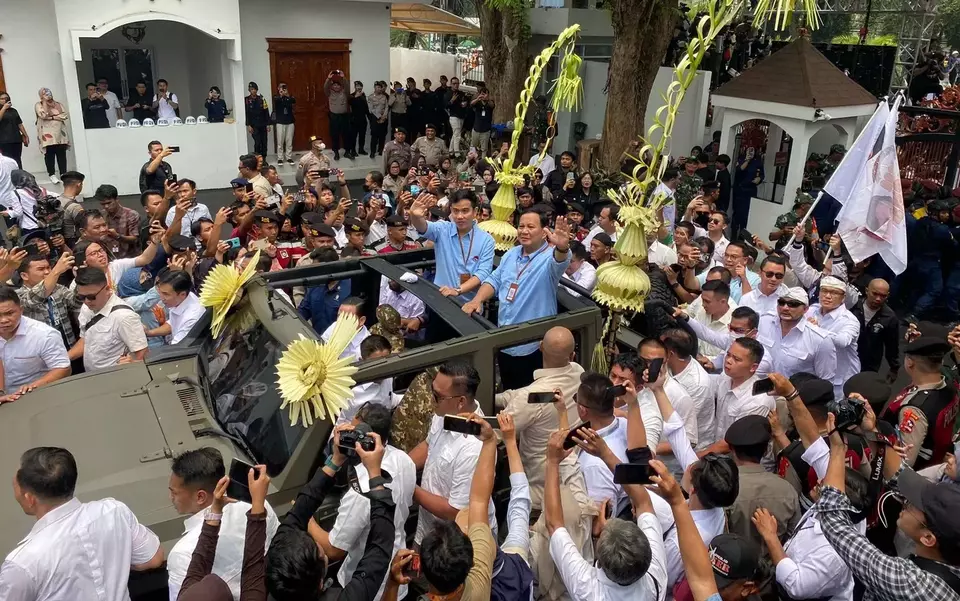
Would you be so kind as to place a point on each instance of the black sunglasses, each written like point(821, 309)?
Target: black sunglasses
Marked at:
point(789, 303)
point(774, 275)
point(90, 297)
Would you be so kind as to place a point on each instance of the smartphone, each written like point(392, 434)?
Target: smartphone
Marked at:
point(653, 369)
point(763, 386)
point(676, 268)
point(239, 472)
point(746, 236)
point(618, 391)
point(568, 442)
point(233, 242)
point(493, 422)
point(323, 173)
point(412, 569)
point(415, 190)
point(632, 473)
point(455, 423)
point(540, 397)
point(571, 176)
point(473, 149)
point(299, 197)
point(173, 178)
point(260, 244)
point(174, 148)
point(248, 188)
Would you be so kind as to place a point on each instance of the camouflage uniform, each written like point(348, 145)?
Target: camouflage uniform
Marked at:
point(411, 420)
point(388, 326)
point(687, 189)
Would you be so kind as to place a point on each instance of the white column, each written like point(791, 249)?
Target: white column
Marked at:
point(798, 157)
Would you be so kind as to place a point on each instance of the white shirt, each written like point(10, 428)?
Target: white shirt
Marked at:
point(228, 561)
point(660, 254)
point(78, 551)
point(586, 582)
point(736, 402)
point(194, 214)
point(697, 313)
point(7, 165)
point(164, 110)
point(812, 568)
point(546, 166)
point(353, 349)
point(684, 406)
point(593, 232)
point(719, 247)
point(448, 472)
point(599, 478)
point(115, 270)
point(585, 276)
point(670, 209)
point(380, 393)
point(117, 334)
point(113, 103)
point(696, 382)
point(22, 208)
point(33, 351)
point(652, 418)
point(184, 316)
point(806, 347)
point(763, 303)
point(377, 231)
point(405, 302)
point(843, 328)
point(353, 517)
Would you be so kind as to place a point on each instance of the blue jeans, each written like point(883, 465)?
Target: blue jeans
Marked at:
point(930, 279)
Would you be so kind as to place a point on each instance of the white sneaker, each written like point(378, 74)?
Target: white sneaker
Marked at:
point(54, 179)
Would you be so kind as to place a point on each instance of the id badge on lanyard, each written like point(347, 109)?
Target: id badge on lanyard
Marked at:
point(512, 291)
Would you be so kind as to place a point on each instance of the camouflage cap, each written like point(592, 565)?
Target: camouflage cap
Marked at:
point(802, 199)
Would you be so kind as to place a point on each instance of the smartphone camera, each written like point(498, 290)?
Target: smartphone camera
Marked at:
point(239, 473)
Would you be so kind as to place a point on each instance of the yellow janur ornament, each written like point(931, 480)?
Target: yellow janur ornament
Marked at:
point(223, 288)
point(313, 380)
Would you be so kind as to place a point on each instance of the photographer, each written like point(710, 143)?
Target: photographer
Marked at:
point(296, 566)
point(926, 79)
point(95, 108)
point(929, 518)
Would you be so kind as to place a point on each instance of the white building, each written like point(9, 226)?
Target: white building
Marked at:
point(193, 44)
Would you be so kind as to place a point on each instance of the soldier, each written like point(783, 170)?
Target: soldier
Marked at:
point(783, 227)
point(926, 410)
point(689, 186)
point(832, 160)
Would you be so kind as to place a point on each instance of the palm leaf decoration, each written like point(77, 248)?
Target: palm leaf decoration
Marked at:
point(223, 289)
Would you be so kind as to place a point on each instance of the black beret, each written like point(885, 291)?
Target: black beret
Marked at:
point(182, 243)
point(813, 390)
point(928, 346)
point(576, 207)
point(604, 239)
point(397, 220)
point(870, 385)
point(747, 431)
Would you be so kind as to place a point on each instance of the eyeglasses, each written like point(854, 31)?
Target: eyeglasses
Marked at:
point(716, 221)
point(91, 297)
point(437, 398)
point(774, 275)
point(738, 331)
point(831, 292)
point(789, 303)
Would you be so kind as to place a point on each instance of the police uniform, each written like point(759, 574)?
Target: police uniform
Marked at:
point(758, 487)
point(352, 225)
point(384, 245)
point(925, 415)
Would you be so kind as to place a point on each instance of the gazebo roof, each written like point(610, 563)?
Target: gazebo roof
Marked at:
point(798, 75)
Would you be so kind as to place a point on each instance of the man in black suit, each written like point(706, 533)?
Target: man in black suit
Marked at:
point(879, 330)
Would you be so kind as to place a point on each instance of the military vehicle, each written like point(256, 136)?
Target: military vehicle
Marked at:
point(124, 424)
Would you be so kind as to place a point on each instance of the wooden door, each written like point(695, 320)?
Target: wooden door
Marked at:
point(304, 65)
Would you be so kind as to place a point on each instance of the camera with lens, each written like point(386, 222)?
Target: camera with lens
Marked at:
point(848, 412)
point(49, 214)
point(350, 438)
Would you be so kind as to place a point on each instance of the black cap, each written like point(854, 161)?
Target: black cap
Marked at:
point(813, 390)
point(709, 186)
point(748, 431)
point(576, 207)
point(604, 239)
point(402, 130)
point(239, 182)
point(429, 126)
point(311, 217)
point(938, 502)
point(181, 243)
point(322, 229)
point(40, 234)
point(397, 220)
point(352, 224)
point(928, 346)
point(263, 216)
point(733, 558)
point(871, 386)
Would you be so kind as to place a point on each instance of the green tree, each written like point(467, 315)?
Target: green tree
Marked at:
point(505, 33)
point(948, 14)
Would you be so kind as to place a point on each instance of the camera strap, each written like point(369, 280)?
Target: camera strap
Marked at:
point(355, 482)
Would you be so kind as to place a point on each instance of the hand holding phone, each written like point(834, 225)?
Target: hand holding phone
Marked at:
point(455, 423)
point(763, 386)
point(540, 397)
point(569, 442)
point(174, 148)
point(632, 473)
point(239, 473)
point(653, 370)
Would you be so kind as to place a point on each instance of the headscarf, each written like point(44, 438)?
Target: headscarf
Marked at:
point(24, 180)
point(53, 107)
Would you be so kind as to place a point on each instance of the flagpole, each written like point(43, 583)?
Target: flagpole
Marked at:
point(816, 201)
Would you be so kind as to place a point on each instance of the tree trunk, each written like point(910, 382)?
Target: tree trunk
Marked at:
point(642, 30)
point(505, 59)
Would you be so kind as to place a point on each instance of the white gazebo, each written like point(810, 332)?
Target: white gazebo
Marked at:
point(804, 104)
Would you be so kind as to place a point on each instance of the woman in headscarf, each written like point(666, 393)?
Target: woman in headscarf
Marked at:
point(52, 133)
point(13, 137)
point(26, 193)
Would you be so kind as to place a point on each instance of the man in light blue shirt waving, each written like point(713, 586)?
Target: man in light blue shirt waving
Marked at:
point(464, 252)
point(526, 285)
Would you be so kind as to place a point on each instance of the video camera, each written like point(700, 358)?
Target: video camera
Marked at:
point(350, 438)
point(848, 412)
point(49, 215)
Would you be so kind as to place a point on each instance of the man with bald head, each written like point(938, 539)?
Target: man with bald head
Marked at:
point(879, 330)
point(535, 421)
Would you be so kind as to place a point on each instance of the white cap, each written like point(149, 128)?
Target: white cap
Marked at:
point(835, 283)
point(798, 294)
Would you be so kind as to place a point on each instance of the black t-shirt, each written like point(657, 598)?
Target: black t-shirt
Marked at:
point(483, 118)
point(10, 127)
point(283, 109)
point(136, 100)
point(155, 180)
point(95, 113)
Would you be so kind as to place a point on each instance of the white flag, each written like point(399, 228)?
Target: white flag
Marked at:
point(841, 184)
point(872, 220)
